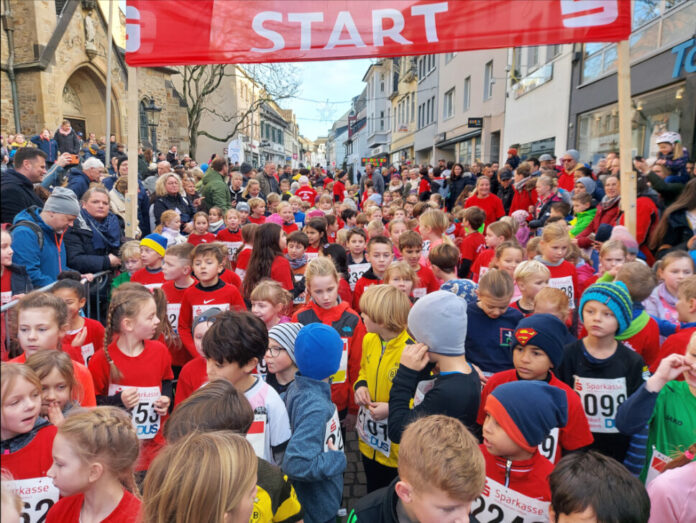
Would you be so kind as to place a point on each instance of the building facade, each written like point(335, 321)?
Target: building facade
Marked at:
point(378, 108)
point(403, 110)
point(428, 71)
point(356, 139)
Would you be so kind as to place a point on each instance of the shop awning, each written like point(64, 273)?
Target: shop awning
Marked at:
point(457, 139)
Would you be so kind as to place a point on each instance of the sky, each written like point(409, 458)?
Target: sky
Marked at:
point(337, 81)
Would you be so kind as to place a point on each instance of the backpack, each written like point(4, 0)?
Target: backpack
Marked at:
point(35, 228)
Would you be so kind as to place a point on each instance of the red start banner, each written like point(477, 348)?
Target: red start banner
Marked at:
point(181, 32)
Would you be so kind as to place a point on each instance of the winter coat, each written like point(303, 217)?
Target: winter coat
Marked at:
point(377, 180)
point(608, 215)
point(117, 205)
point(679, 231)
point(268, 183)
point(544, 212)
point(523, 198)
point(455, 187)
point(215, 191)
point(173, 203)
point(19, 279)
point(51, 259)
point(87, 250)
point(50, 147)
point(17, 195)
point(78, 182)
point(506, 196)
point(69, 143)
point(677, 167)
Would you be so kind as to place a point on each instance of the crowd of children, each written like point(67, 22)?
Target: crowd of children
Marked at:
point(491, 371)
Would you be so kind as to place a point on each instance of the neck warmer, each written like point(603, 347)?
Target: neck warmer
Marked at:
point(640, 320)
point(216, 225)
point(106, 234)
point(296, 264)
point(608, 202)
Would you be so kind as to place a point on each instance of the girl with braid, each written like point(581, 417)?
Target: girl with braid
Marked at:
point(94, 454)
point(134, 371)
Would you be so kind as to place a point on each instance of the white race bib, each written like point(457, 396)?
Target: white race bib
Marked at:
point(38, 496)
point(656, 465)
point(173, 310)
point(419, 292)
point(257, 434)
point(87, 352)
point(201, 308)
point(240, 272)
point(566, 285)
point(5, 297)
point(600, 400)
point(549, 447)
point(355, 272)
point(232, 248)
point(501, 504)
point(152, 286)
point(373, 432)
point(311, 255)
point(340, 376)
point(333, 433)
point(145, 419)
point(422, 389)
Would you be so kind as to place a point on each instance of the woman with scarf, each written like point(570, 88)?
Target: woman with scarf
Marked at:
point(396, 185)
point(168, 198)
point(608, 211)
point(547, 194)
point(93, 242)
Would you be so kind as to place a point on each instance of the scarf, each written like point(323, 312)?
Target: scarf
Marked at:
point(519, 186)
point(64, 133)
point(607, 202)
point(216, 226)
point(106, 233)
point(296, 264)
point(640, 320)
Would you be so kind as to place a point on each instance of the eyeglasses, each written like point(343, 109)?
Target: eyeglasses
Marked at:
point(274, 351)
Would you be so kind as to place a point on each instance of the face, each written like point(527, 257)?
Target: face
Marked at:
point(295, 207)
point(580, 188)
point(324, 291)
point(496, 439)
point(259, 210)
point(69, 473)
point(493, 307)
point(144, 325)
point(411, 255)
point(243, 215)
point(685, 307)
point(198, 334)
point(93, 173)
point(206, 268)
point(57, 221)
point(231, 372)
point(6, 249)
point(397, 230)
point(613, 259)
point(675, 273)
point(254, 190)
point(509, 260)
point(172, 186)
point(270, 169)
point(97, 205)
point(277, 363)
point(377, 214)
point(492, 241)
point(542, 188)
point(356, 244)
point(123, 170)
point(133, 264)
point(380, 256)
point(611, 187)
point(38, 330)
point(265, 310)
point(54, 389)
point(530, 286)
point(599, 320)
point(531, 363)
point(400, 214)
point(568, 162)
point(554, 251)
point(579, 207)
point(20, 408)
point(286, 214)
point(484, 187)
point(172, 267)
point(665, 148)
point(73, 302)
point(200, 225)
point(402, 283)
point(313, 235)
point(148, 256)
point(432, 506)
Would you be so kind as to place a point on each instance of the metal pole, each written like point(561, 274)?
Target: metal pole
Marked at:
point(109, 55)
point(132, 193)
point(628, 175)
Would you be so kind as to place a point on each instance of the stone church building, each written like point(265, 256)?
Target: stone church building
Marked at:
point(53, 55)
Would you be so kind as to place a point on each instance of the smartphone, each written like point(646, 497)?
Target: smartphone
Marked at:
point(74, 159)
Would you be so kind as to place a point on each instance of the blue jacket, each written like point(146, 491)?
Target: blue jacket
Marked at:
point(78, 182)
point(50, 147)
point(316, 474)
point(51, 259)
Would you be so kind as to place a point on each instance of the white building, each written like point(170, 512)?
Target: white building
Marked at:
point(378, 109)
point(356, 139)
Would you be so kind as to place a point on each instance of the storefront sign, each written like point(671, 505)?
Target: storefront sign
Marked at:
point(377, 162)
point(178, 32)
point(686, 57)
point(474, 123)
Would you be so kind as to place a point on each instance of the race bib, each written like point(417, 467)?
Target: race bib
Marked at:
point(311, 255)
point(6, 297)
point(656, 465)
point(499, 504)
point(373, 432)
point(173, 310)
point(566, 285)
point(87, 352)
point(600, 400)
point(144, 417)
point(201, 308)
point(240, 272)
point(232, 248)
point(152, 286)
point(422, 389)
point(333, 433)
point(419, 292)
point(262, 368)
point(549, 447)
point(340, 376)
point(355, 272)
point(257, 434)
point(38, 496)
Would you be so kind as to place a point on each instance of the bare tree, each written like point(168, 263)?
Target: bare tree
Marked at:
point(270, 82)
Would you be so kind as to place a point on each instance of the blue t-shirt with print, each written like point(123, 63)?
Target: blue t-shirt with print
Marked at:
point(489, 341)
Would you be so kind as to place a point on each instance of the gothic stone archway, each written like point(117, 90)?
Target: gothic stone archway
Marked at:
point(84, 102)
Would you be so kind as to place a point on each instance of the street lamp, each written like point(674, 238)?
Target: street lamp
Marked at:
point(153, 113)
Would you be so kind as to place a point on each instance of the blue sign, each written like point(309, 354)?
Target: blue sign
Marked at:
point(686, 57)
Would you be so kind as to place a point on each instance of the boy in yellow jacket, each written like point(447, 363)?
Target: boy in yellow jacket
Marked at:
point(385, 313)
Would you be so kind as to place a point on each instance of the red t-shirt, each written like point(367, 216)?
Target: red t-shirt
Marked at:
point(481, 264)
point(6, 286)
point(191, 378)
point(344, 290)
point(197, 239)
point(282, 273)
point(423, 186)
point(306, 194)
point(231, 278)
point(93, 342)
point(674, 344)
point(491, 205)
point(576, 434)
point(360, 286)
point(67, 510)
point(339, 190)
point(565, 277)
point(289, 228)
point(225, 235)
point(260, 220)
point(242, 261)
point(175, 296)
point(472, 244)
point(427, 282)
point(151, 279)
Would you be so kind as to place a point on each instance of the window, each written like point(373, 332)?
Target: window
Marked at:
point(427, 112)
point(449, 56)
point(532, 57)
point(420, 116)
point(381, 121)
point(467, 93)
point(381, 82)
point(144, 127)
point(413, 106)
point(448, 105)
point(552, 51)
point(432, 110)
point(488, 81)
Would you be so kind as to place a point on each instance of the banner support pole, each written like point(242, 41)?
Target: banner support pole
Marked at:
point(132, 192)
point(109, 60)
point(628, 175)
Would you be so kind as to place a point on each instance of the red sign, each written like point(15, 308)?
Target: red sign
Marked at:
point(178, 32)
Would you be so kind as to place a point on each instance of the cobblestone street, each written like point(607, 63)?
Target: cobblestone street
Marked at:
point(354, 482)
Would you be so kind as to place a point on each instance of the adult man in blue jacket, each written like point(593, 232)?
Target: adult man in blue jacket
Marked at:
point(79, 180)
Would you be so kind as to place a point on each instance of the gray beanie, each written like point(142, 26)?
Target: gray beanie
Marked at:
point(575, 155)
point(589, 183)
point(285, 334)
point(439, 320)
point(62, 201)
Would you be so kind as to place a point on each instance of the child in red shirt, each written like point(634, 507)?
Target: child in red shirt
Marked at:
point(315, 229)
point(530, 277)
point(152, 249)
point(200, 232)
point(496, 233)
point(553, 247)
point(231, 235)
point(135, 372)
point(473, 242)
point(380, 255)
point(285, 212)
point(258, 211)
point(177, 271)
point(243, 255)
point(106, 437)
point(84, 336)
point(411, 247)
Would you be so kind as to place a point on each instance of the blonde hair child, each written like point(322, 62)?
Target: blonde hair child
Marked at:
point(130, 261)
point(170, 228)
point(94, 454)
point(400, 275)
point(60, 391)
point(342, 238)
point(270, 302)
point(554, 246)
point(432, 225)
point(375, 228)
point(552, 301)
point(531, 276)
point(258, 209)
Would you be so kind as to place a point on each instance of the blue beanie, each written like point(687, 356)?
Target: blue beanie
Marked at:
point(318, 351)
point(465, 289)
point(544, 331)
point(156, 242)
point(204, 167)
point(528, 410)
point(614, 295)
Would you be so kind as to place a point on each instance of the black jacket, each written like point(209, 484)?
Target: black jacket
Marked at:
point(19, 279)
point(68, 144)
point(678, 233)
point(506, 195)
point(80, 251)
point(17, 194)
point(456, 186)
point(170, 203)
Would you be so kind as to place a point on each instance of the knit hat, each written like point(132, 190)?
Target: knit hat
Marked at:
point(439, 319)
point(615, 296)
point(544, 331)
point(575, 155)
point(465, 289)
point(589, 183)
point(512, 151)
point(318, 351)
point(546, 158)
point(603, 232)
point(243, 207)
point(62, 201)
point(245, 168)
point(204, 167)
point(619, 232)
point(285, 335)
point(274, 218)
point(528, 410)
point(520, 216)
point(156, 242)
point(207, 316)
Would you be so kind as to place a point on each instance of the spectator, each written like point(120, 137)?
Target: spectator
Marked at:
point(674, 230)
point(168, 197)
point(512, 158)
point(570, 162)
point(37, 240)
point(47, 144)
point(79, 180)
point(378, 181)
point(607, 211)
point(456, 183)
point(121, 169)
point(506, 191)
point(67, 139)
point(117, 200)
point(547, 195)
point(192, 196)
point(268, 180)
point(214, 189)
point(524, 183)
point(173, 156)
point(18, 184)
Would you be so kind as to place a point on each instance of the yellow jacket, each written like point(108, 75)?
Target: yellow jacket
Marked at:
point(378, 367)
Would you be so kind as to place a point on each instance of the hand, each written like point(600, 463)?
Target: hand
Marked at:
point(379, 410)
point(331, 445)
point(188, 228)
point(415, 357)
point(362, 396)
point(114, 261)
point(661, 161)
point(197, 203)
point(55, 415)
point(88, 276)
point(129, 397)
point(481, 375)
point(79, 339)
point(615, 269)
point(63, 159)
point(669, 369)
point(162, 405)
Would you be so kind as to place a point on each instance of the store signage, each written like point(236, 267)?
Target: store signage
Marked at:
point(686, 57)
point(475, 123)
point(377, 162)
point(179, 32)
